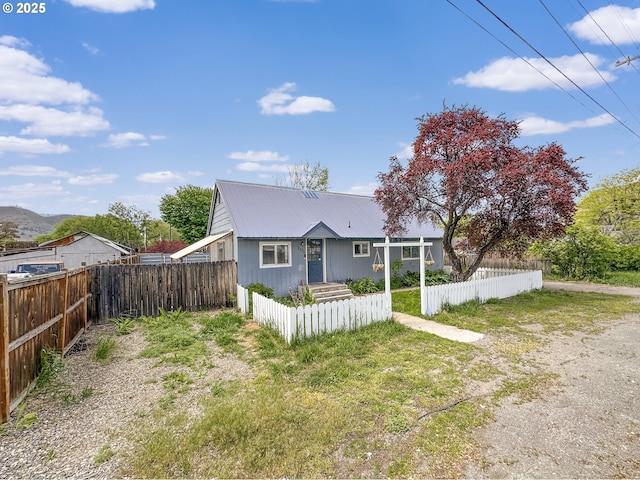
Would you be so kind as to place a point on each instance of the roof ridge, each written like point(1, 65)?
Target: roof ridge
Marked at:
point(294, 189)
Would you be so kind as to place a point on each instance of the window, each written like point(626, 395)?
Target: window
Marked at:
point(410, 253)
point(360, 249)
point(274, 254)
point(221, 251)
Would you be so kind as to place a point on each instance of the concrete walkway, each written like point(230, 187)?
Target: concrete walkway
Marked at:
point(439, 329)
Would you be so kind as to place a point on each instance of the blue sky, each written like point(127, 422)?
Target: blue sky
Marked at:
point(105, 101)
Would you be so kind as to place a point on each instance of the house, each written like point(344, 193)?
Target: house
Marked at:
point(84, 248)
point(284, 237)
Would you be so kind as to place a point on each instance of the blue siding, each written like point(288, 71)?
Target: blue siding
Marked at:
point(340, 263)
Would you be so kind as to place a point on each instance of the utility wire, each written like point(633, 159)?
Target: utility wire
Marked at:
point(587, 59)
point(556, 68)
point(605, 34)
point(520, 56)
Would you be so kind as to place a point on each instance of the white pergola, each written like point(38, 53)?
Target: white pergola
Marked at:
point(387, 271)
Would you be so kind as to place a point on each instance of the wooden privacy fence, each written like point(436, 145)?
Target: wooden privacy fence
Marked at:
point(492, 261)
point(486, 283)
point(46, 312)
point(319, 318)
point(137, 290)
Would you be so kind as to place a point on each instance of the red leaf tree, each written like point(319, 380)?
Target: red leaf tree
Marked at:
point(467, 177)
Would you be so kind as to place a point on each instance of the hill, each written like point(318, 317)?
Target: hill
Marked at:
point(31, 224)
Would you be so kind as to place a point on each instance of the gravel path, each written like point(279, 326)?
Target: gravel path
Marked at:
point(587, 428)
point(72, 428)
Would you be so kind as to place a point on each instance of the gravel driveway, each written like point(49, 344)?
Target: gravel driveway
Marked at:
point(587, 428)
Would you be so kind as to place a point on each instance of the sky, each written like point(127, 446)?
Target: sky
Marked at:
point(105, 101)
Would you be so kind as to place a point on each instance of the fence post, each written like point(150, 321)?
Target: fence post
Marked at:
point(5, 378)
point(62, 326)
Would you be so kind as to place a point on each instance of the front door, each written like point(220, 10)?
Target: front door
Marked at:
point(314, 260)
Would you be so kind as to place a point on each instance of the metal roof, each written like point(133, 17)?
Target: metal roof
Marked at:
point(199, 245)
point(271, 211)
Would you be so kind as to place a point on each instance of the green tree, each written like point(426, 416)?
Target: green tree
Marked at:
point(188, 211)
point(309, 177)
point(614, 206)
point(9, 231)
point(584, 253)
point(123, 224)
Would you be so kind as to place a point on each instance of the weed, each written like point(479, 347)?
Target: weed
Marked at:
point(177, 382)
point(87, 392)
point(223, 329)
point(51, 364)
point(124, 325)
point(105, 348)
point(104, 454)
point(26, 420)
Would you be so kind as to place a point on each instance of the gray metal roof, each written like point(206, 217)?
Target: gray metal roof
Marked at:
point(270, 211)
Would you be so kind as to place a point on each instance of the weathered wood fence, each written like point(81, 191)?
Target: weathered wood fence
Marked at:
point(493, 261)
point(46, 312)
point(137, 290)
point(319, 318)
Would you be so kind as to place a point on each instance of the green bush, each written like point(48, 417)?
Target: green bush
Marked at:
point(362, 286)
point(583, 254)
point(627, 257)
point(260, 289)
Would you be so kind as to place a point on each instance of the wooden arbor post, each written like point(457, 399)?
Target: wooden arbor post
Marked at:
point(387, 271)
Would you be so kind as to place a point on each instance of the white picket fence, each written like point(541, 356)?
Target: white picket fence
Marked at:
point(485, 283)
point(311, 320)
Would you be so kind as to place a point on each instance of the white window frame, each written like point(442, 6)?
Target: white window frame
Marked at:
point(411, 249)
point(275, 245)
point(361, 243)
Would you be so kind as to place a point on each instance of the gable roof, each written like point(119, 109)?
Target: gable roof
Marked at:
point(77, 236)
point(271, 211)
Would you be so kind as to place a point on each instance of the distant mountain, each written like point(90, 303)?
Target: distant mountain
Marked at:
point(31, 224)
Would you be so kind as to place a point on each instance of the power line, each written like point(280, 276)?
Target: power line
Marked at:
point(587, 59)
point(519, 56)
point(618, 63)
point(556, 68)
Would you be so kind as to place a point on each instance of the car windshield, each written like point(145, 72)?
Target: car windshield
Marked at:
point(38, 268)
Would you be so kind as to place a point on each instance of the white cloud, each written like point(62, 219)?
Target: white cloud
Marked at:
point(515, 75)
point(33, 171)
point(260, 156)
point(621, 24)
point(161, 177)
point(406, 152)
point(47, 105)
point(96, 179)
point(114, 6)
point(366, 189)
point(26, 79)
point(280, 102)
point(30, 146)
point(129, 139)
point(90, 48)
point(11, 193)
point(51, 121)
point(261, 167)
point(534, 125)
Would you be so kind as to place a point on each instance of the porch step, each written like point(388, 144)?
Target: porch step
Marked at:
point(330, 292)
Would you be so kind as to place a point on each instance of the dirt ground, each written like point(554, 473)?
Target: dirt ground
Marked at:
point(589, 427)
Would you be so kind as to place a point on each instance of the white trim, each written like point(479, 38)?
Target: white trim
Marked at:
point(275, 244)
point(360, 242)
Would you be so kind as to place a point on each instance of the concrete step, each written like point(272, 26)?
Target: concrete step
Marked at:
point(330, 292)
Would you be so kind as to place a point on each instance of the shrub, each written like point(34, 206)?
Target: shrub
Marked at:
point(260, 289)
point(583, 254)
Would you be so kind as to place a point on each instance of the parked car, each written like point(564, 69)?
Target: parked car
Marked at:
point(30, 269)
